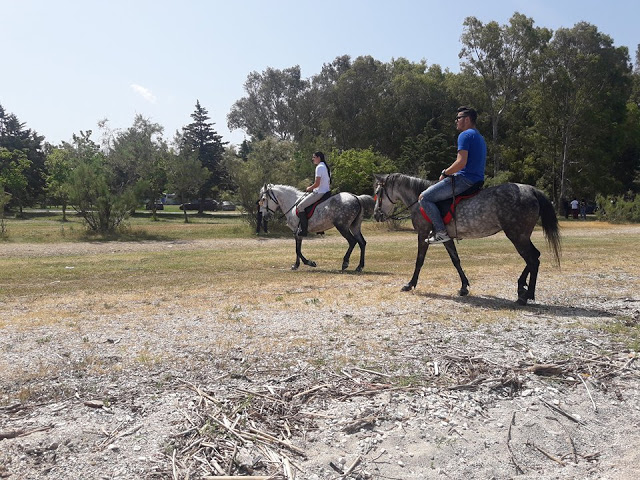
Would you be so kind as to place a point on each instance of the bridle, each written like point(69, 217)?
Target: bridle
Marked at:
point(382, 191)
point(272, 197)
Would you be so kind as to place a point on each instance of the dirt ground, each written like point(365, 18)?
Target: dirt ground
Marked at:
point(414, 385)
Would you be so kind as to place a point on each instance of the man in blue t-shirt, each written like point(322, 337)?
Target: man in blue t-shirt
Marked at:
point(467, 169)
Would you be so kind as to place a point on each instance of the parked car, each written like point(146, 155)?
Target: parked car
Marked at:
point(149, 206)
point(228, 206)
point(209, 205)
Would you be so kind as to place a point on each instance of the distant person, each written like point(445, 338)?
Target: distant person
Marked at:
point(583, 209)
point(467, 169)
point(261, 220)
point(574, 208)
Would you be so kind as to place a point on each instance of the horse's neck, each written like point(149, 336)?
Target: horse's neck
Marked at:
point(287, 197)
point(407, 194)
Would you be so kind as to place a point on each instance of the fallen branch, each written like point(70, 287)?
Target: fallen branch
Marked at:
point(562, 412)
point(546, 454)
point(373, 372)
point(595, 409)
point(513, 458)
point(353, 466)
point(23, 432)
point(311, 390)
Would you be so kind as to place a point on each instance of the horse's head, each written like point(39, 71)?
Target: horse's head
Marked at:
point(267, 203)
point(384, 205)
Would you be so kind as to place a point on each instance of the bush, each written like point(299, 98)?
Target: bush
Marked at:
point(353, 170)
point(624, 209)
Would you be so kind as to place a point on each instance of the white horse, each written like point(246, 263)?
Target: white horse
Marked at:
point(344, 211)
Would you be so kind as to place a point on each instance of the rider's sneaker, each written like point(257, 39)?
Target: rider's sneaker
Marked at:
point(439, 237)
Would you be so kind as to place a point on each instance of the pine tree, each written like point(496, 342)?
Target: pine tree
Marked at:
point(202, 141)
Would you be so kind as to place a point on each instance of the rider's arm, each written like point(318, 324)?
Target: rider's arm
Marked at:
point(458, 164)
point(315, 185)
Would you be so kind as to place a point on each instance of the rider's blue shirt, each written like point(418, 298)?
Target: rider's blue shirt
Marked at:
point(471, 141)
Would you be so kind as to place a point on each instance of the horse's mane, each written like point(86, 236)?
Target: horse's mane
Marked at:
point(288, 188)
point(415, 184)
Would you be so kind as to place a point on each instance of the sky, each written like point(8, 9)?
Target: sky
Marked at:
point(65, 65)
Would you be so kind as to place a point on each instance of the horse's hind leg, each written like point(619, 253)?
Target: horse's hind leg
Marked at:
point(455, 259)
point(346, 233)
point(531, 256)
point(362, 243)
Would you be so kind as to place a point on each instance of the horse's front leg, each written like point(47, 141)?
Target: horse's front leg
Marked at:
point(422, 253)
point(455, 259)
point(299, 256)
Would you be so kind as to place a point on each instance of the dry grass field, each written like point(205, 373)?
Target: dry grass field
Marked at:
point(193, 351)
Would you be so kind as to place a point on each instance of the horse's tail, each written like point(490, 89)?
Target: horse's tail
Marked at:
point(550, 225)
point(367, 203)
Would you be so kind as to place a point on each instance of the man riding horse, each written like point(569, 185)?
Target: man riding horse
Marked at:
point(462, 174)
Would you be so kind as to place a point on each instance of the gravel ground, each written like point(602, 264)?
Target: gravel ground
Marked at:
point(405, 386)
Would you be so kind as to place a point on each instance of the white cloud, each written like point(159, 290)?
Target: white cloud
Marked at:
point(144, 93)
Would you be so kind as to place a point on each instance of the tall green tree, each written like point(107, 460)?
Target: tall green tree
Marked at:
point(270, 161)
point(14, 166)
point(271, 106)
point(200, 140)
point(185, 176)
point(138, 159)
point(14, 136)
point(577, 104)
point(503, 57)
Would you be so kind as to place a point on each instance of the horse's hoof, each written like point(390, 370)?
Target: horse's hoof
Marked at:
point(345, 266)
point(312, 263)
point(522, 301)
point(407, 288)
point(463, 292)
point(294, 267)
point(358, 269)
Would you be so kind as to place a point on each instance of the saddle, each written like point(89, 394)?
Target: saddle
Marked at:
point(312, 208)
point(447, 207)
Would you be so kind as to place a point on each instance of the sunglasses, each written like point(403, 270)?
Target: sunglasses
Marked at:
point(461, 116)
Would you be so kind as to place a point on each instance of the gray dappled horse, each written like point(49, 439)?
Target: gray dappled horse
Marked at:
point(512, 207)
point(345, 211)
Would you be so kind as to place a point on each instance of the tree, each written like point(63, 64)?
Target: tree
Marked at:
point(13, 179)
point(200, 140)
point(577, 105)
point(426, 154)
point(185, 177)
point(502, 57)
point(271, 105)
point(270, 161)
point(60, 165)
point(15, 137)
point(138, 159)
point(103, 207)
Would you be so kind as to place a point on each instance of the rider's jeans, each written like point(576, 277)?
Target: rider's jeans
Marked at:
point(441, 191)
